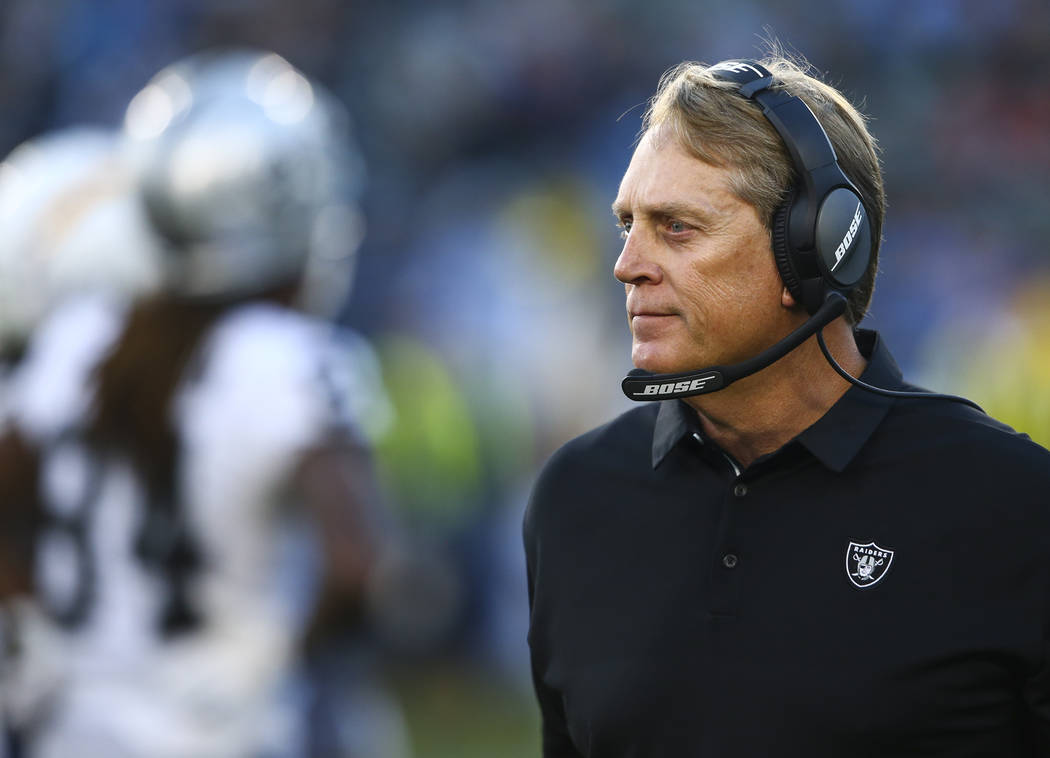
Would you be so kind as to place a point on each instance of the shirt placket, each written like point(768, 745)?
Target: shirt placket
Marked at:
point(730, 553)
point(727, 556)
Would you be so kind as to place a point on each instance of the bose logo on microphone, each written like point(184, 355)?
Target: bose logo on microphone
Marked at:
point(851, 234)
point(667, 389)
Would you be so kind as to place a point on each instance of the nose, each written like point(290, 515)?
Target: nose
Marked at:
point(636, 264)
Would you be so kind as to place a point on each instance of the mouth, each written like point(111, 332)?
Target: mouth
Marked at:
point(648, 318)
point(649, 324)
point(648, 314)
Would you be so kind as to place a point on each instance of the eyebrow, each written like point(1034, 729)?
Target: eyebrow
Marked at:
point(670, 209)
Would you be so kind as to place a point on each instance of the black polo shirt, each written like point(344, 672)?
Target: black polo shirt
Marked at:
point(879, 586)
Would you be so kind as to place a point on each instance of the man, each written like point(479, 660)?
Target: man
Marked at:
point(770, 561)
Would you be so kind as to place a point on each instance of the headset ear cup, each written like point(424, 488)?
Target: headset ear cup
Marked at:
point(781, 249)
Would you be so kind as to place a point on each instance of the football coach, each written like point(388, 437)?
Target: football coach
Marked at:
point(784, 549)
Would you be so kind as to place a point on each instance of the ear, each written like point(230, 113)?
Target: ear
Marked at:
point(787, 299)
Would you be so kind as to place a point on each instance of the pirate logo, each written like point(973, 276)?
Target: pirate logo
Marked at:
point(866, 564)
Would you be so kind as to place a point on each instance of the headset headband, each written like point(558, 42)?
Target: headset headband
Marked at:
point(818, 233)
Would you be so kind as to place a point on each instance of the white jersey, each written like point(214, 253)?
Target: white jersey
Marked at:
point(266, 384)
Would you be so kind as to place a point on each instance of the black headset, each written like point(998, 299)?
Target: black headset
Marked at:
point(821, 232)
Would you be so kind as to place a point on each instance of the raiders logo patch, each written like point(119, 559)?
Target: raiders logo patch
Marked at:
point(867, 564)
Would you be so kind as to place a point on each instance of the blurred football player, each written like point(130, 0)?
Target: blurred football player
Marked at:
point(70, 223)
point(201, 458)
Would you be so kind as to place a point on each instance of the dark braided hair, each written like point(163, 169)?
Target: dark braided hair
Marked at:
point(136, 384)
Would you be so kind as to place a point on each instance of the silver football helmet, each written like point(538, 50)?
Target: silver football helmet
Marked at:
point(248, 173)
point(70, 221)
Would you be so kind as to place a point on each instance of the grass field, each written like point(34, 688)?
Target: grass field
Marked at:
point(453, 712)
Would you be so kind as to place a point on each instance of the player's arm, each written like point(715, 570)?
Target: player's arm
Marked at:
point(336, 484)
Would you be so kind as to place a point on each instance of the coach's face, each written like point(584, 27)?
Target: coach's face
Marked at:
point(702, 286)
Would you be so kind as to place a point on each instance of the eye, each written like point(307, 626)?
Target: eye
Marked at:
point(624, 226)
point(676, 227)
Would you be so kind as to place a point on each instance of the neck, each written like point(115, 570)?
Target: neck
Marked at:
point(760, 413)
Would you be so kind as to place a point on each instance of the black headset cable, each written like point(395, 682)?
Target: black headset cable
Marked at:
point(882, 391)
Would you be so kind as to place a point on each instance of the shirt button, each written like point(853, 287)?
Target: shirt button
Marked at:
point(729, 560)
point(740, 490)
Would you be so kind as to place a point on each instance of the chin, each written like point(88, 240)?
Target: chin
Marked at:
point(658, 361)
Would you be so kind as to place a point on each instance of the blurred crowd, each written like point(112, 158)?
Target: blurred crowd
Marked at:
point(489, 139)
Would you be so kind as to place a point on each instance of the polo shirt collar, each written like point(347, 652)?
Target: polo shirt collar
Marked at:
point(835, 438)
point(674, 422)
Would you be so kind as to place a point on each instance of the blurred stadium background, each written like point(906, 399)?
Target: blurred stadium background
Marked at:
point(495, 135)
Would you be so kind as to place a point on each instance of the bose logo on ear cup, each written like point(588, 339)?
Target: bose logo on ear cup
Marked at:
point(851, 234)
